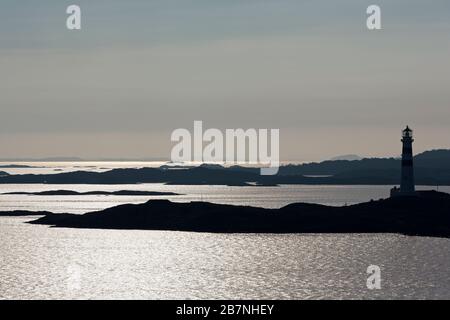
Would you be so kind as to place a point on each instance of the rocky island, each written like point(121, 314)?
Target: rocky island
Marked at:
point(425, 214)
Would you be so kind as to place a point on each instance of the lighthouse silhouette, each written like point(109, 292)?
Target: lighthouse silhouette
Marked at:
point(407, 186)
point(407, 183)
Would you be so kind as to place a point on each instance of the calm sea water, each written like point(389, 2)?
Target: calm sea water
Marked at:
point(38, 262)
point(270, 197)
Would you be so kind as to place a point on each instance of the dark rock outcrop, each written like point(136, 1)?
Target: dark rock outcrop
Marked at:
point(427, 214)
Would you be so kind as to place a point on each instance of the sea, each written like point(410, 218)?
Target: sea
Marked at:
point(42, 262)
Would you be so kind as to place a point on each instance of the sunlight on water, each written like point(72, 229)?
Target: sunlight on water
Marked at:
point(40, 262)
point(269, 197)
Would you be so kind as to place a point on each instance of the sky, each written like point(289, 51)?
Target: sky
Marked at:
point(137, 70)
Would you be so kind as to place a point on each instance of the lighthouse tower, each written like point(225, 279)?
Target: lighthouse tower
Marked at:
point(407, 183)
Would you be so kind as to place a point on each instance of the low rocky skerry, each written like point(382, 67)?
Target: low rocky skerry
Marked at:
point(94, 193)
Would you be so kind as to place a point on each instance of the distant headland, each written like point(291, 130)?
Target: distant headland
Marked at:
point(431, 168)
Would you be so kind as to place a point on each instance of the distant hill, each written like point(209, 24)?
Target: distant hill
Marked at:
point(333, 167)
point(349, 157)
point(77, 159)
point(441, 154)
point(15, 166)
point(2, 173)
point(434, 159)
point(49, 159)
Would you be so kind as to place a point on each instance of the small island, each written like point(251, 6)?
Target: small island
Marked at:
point(95, 193)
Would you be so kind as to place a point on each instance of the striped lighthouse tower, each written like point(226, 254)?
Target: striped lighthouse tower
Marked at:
point(407, 183)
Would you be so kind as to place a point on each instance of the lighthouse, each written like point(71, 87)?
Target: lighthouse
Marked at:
point(407, 182)
point(407, 186)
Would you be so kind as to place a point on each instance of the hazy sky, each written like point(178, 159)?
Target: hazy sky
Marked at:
point(140, 69)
